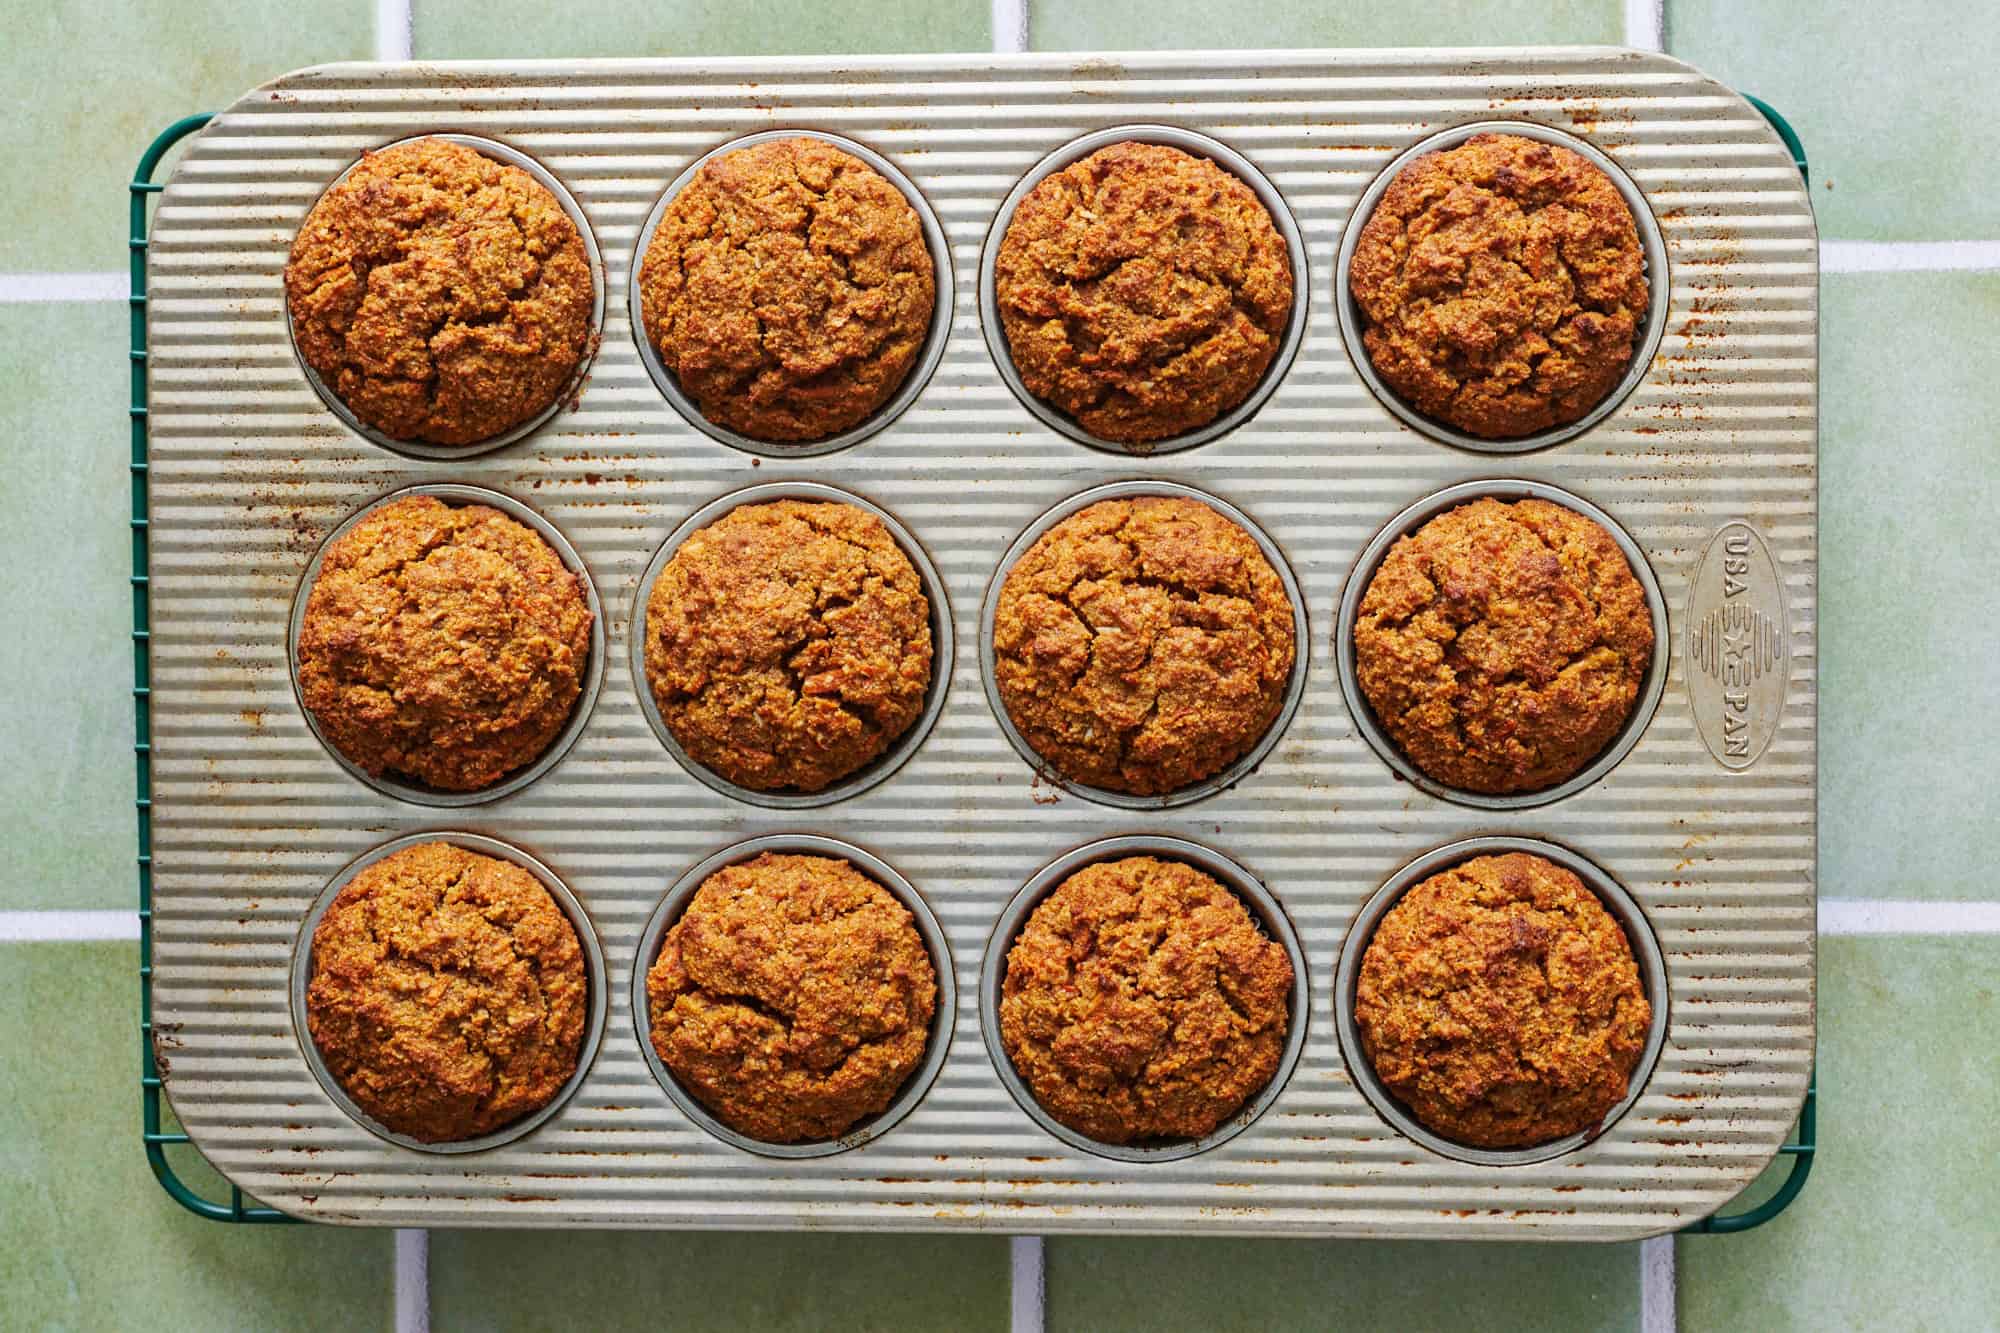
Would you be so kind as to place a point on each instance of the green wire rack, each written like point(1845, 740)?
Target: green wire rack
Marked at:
point(158, 1139)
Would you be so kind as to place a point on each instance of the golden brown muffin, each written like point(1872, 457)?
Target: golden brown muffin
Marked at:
point(788, 289)
point(793, 998)
point(788, 643)
point(448, 993)
point(1502, 286)
point(443, 644)
point(1143, 1001)
point(1142, 645)
point(1499, 1002)
point(1143, 291)
point(443, 296)
point(1502, 645)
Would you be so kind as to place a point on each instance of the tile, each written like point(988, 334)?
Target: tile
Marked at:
point(90, 84)
point(1910, 700)
point(1895, 1229)
point(1124, 25)
point(66, 827)
point(725, 1281)
point(1250, 1286)
point(87, 1237)
point(478, 29)
point(1892, 104)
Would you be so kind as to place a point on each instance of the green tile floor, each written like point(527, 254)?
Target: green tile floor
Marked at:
point(1897, 1228)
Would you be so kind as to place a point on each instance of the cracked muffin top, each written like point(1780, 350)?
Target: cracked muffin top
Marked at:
point(443, 296)
point(1143, 1001)
point(1143, 291)
point(1142, 645)
point(1500, 1003)
point(788, 289)
point(793, 997)
point(788, 643)
point(1502, 645)
point(1502, 286)
point(448, 993)
point(443, 644)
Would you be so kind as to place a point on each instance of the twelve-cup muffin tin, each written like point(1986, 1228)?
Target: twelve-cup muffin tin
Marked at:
point(1707, 822)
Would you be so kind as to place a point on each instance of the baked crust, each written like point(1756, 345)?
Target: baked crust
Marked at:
point(1502, 286)
point(448, 993)
point(793, 998)
point(445, 644)
point(788, 644)
point(1142, 645)
point(1143, 1001)
point(1502, 645)
point(788, 289)
point(1142, 290)
point(442, 295)
point(1499, 1001)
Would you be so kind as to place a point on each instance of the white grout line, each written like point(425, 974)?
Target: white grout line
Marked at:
point(1646, 25)
point(1010, 25)
point(1026, 1278)
point(392, 29)
point(50, 926)
point(1894, 916)
point(413, 1281)
point(24, 287)
point(1907, 256)
point(1657, 1301)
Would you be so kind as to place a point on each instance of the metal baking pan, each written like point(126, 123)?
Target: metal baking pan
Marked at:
point(1709, 464)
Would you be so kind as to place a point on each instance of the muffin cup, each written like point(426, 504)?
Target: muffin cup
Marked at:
point(1263, 904)
point(876, 770)
point(1622, 906)
point(593, 963)
point(513, 157)
point(1294, 687)
point(456, 494)
point(913, 383)
point(943, 1018)
point(1196, 145)
point(1651, 241)
point(1414, 517)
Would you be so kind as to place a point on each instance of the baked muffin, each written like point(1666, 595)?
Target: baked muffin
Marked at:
point(1500, 1003)
point(793, 998)
point(1143, 1001)
point(1502, 645)
point(788, 644)
point(442, 644)
point(443, 296)
point(788, 289)
point(1143, 291)
point(1142, 645)
point(448, 993)
point(1502, 286)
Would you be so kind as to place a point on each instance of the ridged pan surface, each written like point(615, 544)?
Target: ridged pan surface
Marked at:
point(251, 816)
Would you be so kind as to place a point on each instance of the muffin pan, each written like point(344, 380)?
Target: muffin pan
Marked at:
point(252, 817)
